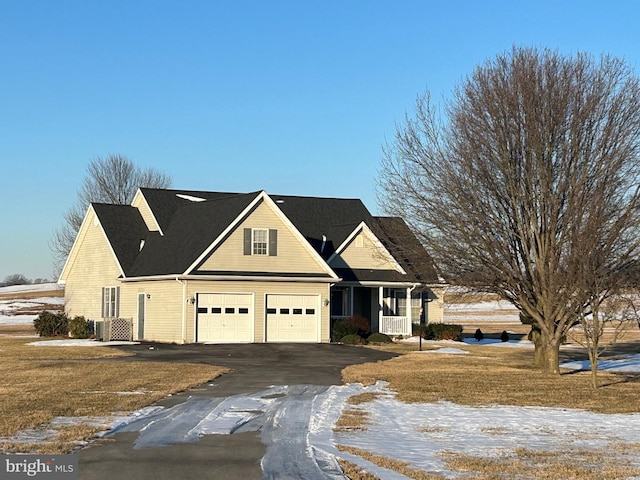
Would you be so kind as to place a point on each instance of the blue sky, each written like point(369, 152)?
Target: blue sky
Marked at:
point(290, 97)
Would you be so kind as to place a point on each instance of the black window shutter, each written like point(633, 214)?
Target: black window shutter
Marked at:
point(117, 312)
point(273, 243)
point(247, 241)
point(103, 303)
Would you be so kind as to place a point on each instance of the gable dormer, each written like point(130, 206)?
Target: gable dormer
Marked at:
point(363, 250)
point(140, 202)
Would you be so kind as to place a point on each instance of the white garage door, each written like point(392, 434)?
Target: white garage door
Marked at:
point(224, 317)
point(293, 318)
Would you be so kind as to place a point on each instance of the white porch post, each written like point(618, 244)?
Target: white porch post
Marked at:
point(351, 301)
point(409, 319)
point(380, 306)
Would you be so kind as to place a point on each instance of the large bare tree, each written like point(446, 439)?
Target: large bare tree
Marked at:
point(526, 183)
point(111, 179)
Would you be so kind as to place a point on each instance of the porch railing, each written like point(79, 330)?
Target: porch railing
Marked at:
point(395, 325)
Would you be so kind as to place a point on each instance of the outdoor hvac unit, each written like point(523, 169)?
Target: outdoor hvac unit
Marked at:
point(101, 329)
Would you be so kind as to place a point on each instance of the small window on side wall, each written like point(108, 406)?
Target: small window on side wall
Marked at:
point(110, 302)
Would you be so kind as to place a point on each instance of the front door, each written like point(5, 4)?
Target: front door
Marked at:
point(141, 305)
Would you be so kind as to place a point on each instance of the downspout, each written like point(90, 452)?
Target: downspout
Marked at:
point(410, 291)
point(184, 309)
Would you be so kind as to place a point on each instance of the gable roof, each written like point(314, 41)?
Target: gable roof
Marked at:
point(125, 229)
point(188, 232)
point(191, 222)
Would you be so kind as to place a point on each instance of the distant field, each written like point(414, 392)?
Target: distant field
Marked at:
point(487, 312)
point(29, 292)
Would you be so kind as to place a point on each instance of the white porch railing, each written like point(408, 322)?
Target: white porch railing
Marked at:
point(395, 325)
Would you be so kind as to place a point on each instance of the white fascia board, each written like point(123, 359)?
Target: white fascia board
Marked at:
point(111, 249)
point(224, 233)
point(97, 220)
point(365, 228)
point(316, 256)
point(246, 278)
point(139, 194)
point(62, 277)
point(262, 196)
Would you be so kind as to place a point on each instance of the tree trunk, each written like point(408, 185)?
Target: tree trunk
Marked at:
point(552, 358)
point(539, 352)
point(546, 355)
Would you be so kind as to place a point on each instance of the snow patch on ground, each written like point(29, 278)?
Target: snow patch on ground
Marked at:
point(35, 287)
point(74, 342)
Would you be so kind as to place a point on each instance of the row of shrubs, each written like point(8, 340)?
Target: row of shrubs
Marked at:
point(438, 331)
point(356, 330)
point(49, 324)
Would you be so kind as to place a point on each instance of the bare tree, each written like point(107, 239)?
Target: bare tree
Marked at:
point(527, 184)
point(16, 279)
point(112, 179)
point(601, 328)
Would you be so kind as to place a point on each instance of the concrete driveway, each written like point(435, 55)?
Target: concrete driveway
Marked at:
point(255, 368)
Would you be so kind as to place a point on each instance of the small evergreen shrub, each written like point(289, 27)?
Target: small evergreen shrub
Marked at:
point(444, 331)
point(419, 329)
point(49, 324)
point(353, 339)
point(79, 327)
point(478, 335)
point(342, 328)
point(504, 336)
point(379, 338)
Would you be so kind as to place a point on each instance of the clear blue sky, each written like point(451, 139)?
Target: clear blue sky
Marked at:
point(290, 97)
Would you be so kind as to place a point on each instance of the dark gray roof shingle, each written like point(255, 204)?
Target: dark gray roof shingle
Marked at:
point(190, 227)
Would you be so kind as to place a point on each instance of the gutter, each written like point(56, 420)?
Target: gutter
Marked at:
point(184, 308)
point(231, 278)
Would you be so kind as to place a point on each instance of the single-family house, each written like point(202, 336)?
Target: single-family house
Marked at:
point(190, 266)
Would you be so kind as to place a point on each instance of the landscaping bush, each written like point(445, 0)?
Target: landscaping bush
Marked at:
point(379, 338)
point(478, 335)
point(342, 328)
point(418, 329)
point(355, 325)
point(353, 339)
point(49, 324)
point(444, 331)
point(79, 327)
point(504, 336)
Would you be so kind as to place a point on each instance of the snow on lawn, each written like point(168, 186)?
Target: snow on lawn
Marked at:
point(296, 424)
point(34, 287)
point(9, 307)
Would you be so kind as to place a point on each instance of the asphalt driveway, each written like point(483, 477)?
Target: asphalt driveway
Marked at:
point(255, 368)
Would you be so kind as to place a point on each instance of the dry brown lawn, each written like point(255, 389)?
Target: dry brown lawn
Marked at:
point(499, 375)
point(41, 383)
point(31, 295)
point(495, 375)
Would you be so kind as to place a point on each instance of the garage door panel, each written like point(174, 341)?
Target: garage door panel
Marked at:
point(292, 318)
point(225, 318)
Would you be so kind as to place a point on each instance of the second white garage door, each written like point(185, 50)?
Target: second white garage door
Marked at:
point(225, 317)
point(293, 318)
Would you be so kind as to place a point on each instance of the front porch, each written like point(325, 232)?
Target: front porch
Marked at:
point(385, 308)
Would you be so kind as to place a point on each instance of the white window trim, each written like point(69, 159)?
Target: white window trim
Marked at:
point(110, 302)
point(254, 241)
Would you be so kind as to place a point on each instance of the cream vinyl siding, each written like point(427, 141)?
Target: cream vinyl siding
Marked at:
point(163, 310)
point(368, 255)
point(292, 256)
point(91, 267)
point(435, 308)
point(260, 291)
